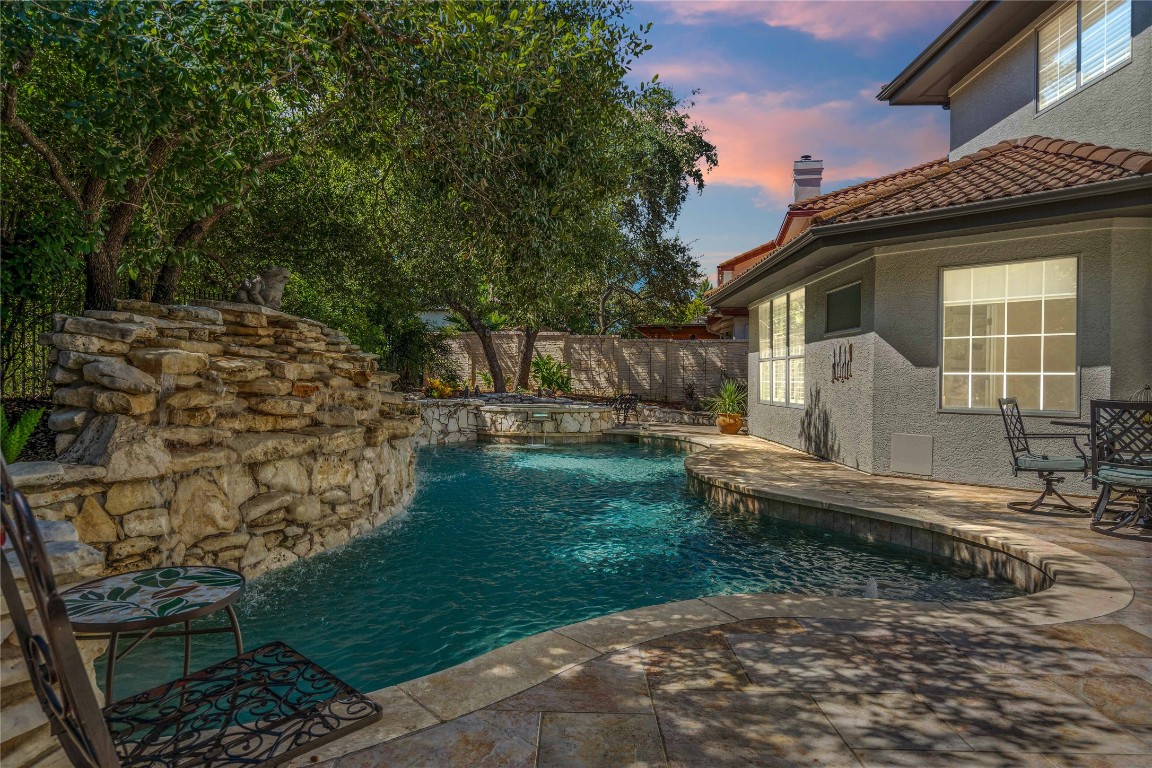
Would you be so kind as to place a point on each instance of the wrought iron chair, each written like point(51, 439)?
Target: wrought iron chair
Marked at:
point(1121, 432)
point(1045, 466)
point(257, 709)
point(623, 405)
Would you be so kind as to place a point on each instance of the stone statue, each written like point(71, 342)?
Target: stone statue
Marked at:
point(265, 289)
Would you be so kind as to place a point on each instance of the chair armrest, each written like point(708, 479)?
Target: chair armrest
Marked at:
point(1075, 438)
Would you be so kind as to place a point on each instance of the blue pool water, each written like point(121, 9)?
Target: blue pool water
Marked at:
point(502, 542)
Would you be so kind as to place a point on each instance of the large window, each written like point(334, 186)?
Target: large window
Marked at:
point(1009, 330)
point(781, 325)
point(1080, 43)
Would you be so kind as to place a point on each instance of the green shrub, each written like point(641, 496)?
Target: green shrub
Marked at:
point(550, 373)
point(12, 441)
point(731, 398)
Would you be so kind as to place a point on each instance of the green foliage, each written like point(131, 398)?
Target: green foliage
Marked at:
point(730, 398)
point(550, 373)
point(13, 440)
point(486, 379)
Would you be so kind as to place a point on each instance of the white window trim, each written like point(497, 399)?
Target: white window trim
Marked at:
point(762, 360)
point(940, 342)
point(1081, 84)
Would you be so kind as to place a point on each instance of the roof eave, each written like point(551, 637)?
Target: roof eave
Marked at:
point(815, 234)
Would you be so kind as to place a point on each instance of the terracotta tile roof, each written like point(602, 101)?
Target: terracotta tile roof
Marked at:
point(846, 196)
point(1007, 169)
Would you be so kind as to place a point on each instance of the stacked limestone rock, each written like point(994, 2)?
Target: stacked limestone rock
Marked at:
point(228, 434)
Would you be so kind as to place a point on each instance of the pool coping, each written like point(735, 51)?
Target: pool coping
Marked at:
point(1081, 588)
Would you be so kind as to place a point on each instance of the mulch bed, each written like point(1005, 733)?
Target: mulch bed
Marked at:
point(42, 445)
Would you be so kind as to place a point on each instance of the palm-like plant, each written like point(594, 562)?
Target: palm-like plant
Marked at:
point(730, 399)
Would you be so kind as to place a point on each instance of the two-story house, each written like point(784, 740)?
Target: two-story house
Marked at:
point(882, 332)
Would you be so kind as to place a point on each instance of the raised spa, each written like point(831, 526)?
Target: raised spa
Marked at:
point(503, 541)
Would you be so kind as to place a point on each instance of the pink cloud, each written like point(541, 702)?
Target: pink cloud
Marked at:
point(874, 20)
point(758, 135)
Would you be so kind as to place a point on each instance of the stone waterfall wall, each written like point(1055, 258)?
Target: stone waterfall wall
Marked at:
point(447, 421)
point(227, 434)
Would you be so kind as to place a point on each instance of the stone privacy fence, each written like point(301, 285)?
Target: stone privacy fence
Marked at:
point(654, 369)
point(227, 434)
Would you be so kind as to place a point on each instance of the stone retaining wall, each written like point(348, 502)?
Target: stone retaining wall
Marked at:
point(446, 421)
point(227, 434)
point(659, 414)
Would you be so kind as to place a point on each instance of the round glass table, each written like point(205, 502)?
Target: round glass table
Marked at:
point(139, 604)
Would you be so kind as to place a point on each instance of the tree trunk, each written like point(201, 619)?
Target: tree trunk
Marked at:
point(100, 280)
point(489, 346)
point(168, 280)
point(525, 371)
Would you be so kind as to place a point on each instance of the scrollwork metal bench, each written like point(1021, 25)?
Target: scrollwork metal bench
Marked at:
point(259, 708)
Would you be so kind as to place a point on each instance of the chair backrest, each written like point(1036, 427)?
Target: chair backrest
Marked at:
point(54, 663)
point(1014, 426)
point(1121, 433)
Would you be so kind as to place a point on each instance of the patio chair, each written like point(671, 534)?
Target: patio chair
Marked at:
point(1121, 433)
point(623, 405)
point(1024, 459)
point(257, 709)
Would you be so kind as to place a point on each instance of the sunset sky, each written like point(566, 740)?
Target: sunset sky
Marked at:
point(777, 80)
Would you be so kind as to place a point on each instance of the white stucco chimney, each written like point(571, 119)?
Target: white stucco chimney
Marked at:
point(806, 174)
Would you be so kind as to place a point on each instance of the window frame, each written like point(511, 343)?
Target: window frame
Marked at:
point(995, 410)
point(1080, 83)
point(767, 361)
point(859, 317)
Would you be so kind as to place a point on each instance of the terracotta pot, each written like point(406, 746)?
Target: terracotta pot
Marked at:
point(729, 423)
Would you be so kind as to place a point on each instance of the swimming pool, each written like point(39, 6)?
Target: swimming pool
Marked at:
point(501, 542)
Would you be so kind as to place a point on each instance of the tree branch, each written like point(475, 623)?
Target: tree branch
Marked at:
point(9, 117)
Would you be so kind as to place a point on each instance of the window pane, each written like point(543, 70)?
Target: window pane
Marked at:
point(985, 391)
point(778, 373)
point(1024, 354)
point(1060, 277)
point(796, 323)
point(1026, 279)
point(988, 319)
point(956, 358)
point(764, 318)
point(1057, 59)
point(1060, 354)
point(765, 381)
point(1024, 317)
point(954, 392)
point(956, 319)
point(988, 282)
point(1026, 389)
point(779, 327)
point(1105, 37)
point(1060, 316)
point(957, 285)
point(988, 355)
point(1060, 393)
point(796, 381)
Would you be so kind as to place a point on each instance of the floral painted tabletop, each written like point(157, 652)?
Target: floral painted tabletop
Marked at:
point(151, 598)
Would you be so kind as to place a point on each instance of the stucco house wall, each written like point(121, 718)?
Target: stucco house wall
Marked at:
point(998, 101)
point(894, 389)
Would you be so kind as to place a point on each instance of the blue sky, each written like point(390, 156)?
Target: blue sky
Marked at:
point(777, 80)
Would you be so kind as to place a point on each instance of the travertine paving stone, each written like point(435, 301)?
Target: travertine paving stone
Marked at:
point(586, 740)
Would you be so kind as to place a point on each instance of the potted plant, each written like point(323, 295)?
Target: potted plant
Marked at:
point(728, 405)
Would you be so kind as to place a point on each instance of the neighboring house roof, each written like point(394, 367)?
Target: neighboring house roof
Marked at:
point(1009, 169)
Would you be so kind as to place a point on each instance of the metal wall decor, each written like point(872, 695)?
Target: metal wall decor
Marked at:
point(842, 362)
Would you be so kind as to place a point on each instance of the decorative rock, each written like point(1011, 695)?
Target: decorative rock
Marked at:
point(36, 474)
point(332, 471)
point(221, 543)
point(292, 371)
point(110, 401)
point(283, 406)
point(69, 419)
point(201, 509)
point(77, 360)
point(255, 448)
point(272, 518)
point(174, 361)
point(238, 369)
point(62, 376)
point(202, 347)
point(192, 417)
point(266, 386)
point(306, 509)
point(190, 459)
point(129, 547)
point(256, 551)
point(284, 475)
point(118, 332)
point(305, 389)
point(146, 522)
point(123, 447)
point(120, 376)
point(90, 345)
point(337, 439)
point(197, 398)
point(78, 396)
point(236, 482)
point(259, 506)
point(93, 524)
point(198, 314)
point(126, 497)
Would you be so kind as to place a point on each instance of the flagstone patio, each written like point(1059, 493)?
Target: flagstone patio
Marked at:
point(777, 680)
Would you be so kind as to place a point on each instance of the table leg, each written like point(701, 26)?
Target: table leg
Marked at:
point(111, 668)
point(235, 629)
point(187, 647)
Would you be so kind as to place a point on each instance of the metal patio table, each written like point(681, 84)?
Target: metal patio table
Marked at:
point(139, 604)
